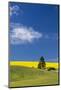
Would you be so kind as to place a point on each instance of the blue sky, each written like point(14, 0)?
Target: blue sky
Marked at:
point(33, 30)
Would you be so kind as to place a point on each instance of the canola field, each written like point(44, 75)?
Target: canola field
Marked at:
point(32, 64)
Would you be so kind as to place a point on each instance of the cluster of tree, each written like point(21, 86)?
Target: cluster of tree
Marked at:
point(42, 64)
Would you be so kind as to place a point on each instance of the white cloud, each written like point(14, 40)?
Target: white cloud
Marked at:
point(21, 34)
point(13, 10)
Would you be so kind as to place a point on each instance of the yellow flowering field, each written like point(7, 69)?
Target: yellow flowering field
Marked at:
point(33, 64)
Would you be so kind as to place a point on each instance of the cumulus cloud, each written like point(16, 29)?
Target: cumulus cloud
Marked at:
point(21, 34)
point(13, 10)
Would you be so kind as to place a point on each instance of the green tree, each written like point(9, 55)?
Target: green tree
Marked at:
point(42, 64)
